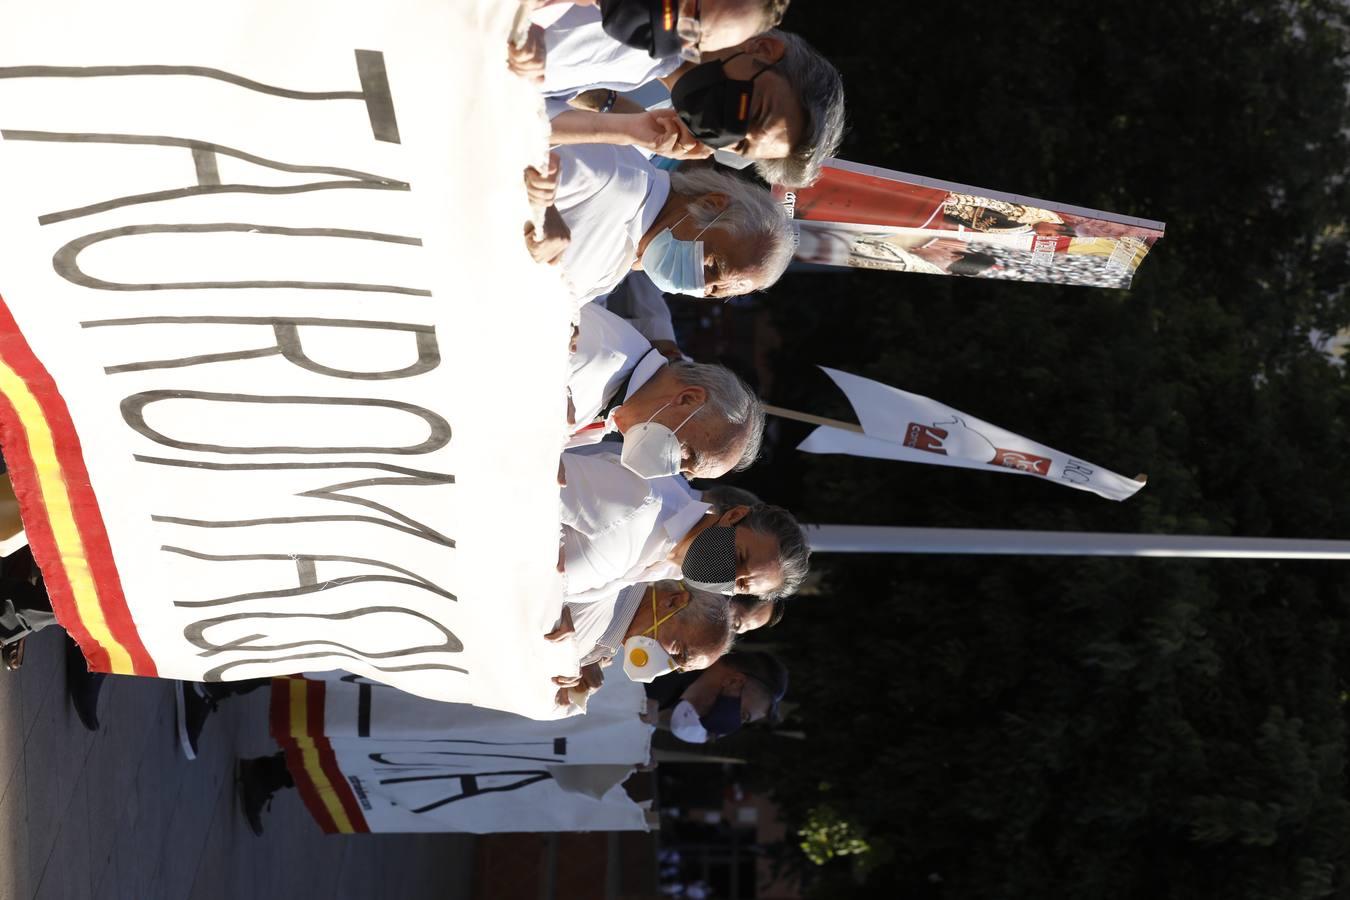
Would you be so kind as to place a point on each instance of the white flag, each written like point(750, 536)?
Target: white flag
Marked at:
point(900, 425)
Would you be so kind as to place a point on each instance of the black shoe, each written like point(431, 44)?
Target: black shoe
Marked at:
point(82, 686)
point(194, 706)
point(11, 655)
point(257, 784)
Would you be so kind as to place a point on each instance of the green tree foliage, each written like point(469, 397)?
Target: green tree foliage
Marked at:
point(1088, 728)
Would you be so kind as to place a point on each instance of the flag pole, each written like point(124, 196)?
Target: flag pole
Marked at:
point(810, 419)
point(993, 542)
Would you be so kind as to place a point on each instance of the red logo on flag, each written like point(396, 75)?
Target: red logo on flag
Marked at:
point(925, 437)
point(1022, 462)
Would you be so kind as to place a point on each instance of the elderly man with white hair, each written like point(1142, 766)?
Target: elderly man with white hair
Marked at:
point(711, 423)
point(691, 628)
point(700, 233)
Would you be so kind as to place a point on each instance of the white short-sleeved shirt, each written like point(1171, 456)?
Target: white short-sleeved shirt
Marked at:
point(581, 57)
point(609, 197)
point(608, 514)
point(640, 302)
point(609, 351)
point(600, 627)
point(602, 372)
point(609, 531)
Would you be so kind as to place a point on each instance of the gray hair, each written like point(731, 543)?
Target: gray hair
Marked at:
point(816, 81)
point(724, 496)
point(751, 214)
point(712, 613)
point(731, 398)
point(794, 554)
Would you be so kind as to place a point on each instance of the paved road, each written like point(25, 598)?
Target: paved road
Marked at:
point(121, 814)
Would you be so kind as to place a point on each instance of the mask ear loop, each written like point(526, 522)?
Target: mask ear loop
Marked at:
point(720, 214)
point(709, 225)
point(656, 623)
point(686, 418)
point(658, 412)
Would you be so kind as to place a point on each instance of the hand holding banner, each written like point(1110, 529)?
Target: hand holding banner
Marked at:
point(257, 278)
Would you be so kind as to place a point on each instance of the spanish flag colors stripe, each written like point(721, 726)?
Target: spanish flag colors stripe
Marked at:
point(297, 725)
point(60, 511)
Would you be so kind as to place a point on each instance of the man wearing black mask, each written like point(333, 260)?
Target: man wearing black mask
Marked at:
point(771, 100)
point(623, 44)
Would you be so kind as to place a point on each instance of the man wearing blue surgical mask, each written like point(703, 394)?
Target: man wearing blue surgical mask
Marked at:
point(700, 233)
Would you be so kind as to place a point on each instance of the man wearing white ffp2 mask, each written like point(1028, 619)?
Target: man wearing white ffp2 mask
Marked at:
point(702, 415)
point(652, 450)
point(653, 628)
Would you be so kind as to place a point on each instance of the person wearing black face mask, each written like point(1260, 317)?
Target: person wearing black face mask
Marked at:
point(740, 688)
point(623, 44)
point(715, 107)
point(620, 45)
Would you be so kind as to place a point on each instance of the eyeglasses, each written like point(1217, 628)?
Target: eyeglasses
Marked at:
point(690, 31)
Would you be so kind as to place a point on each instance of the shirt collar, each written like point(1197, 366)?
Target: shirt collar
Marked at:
point(625, 607)
point(652, 362)
point(679, 524)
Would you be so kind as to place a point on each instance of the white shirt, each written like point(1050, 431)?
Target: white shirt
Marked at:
point(609, 352)
point(676, 509)
point(609, 197)
point(582, 57)
point(642, 304)
point(590, 397)
point(600, 627)
point(608, 514)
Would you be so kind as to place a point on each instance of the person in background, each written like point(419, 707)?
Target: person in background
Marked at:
point(740, 688)
point(749, 612)
point(26, 609)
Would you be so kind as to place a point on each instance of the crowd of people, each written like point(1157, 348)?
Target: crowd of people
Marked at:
point(638, 203)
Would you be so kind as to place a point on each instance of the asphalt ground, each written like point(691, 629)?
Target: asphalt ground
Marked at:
point(120, 813)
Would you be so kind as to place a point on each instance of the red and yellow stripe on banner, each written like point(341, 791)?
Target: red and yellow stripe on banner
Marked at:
point(60, 512)
point(297, 725)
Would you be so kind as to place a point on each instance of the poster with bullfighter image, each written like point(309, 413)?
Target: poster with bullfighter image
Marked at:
point(870, 218)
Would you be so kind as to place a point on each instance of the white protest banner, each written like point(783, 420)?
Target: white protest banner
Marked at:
point(368, 758)
point(903, 426)
point(350, 707)
point(274, 356)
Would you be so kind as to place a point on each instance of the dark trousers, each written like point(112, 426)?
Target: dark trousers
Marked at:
point(24, 606)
